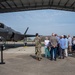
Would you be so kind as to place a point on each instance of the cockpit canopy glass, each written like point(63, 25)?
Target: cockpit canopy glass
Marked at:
point(1, 25)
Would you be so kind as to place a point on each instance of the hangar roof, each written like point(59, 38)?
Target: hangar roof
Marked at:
point(24, 5)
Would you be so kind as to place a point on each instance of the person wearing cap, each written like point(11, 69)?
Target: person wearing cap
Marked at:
point(38, 47)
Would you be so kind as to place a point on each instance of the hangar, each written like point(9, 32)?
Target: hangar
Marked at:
point(25, 5)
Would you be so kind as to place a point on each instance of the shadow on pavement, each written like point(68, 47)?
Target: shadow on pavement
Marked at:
point(33, 56)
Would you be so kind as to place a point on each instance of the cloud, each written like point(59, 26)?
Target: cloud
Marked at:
point(41, 21)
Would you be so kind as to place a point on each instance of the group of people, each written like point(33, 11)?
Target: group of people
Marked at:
point(55, 46)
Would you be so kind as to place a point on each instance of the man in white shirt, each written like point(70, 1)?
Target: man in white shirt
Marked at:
point(70, 43)
point(66, 45)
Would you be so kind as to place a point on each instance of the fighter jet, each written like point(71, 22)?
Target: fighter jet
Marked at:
point(8, 34)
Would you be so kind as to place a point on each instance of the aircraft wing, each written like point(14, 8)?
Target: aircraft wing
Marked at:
point(29, 35)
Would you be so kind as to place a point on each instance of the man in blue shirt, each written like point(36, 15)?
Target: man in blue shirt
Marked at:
point(62, 46)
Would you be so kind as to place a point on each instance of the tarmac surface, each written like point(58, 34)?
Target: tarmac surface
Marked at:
point(21, 61)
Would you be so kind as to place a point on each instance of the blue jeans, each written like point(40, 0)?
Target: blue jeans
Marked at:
point(53, 53)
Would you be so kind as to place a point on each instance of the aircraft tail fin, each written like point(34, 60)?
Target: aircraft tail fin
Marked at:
point(26, 30)
point(28, 35)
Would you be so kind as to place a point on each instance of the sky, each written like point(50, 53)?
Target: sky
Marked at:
point(44, 22)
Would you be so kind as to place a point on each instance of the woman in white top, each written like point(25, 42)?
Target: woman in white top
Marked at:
point(46, 42)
